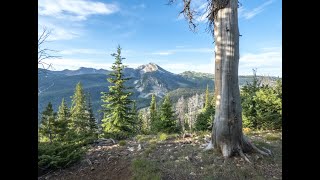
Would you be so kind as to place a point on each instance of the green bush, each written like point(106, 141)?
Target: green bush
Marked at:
point(122, 142)
point(204, 119)
point(58, 155)
point(163, 137)
point(262, 106)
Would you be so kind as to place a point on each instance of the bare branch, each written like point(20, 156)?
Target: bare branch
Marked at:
point(213, 6)
point(45, 53)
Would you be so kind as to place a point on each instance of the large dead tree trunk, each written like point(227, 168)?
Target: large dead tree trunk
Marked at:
point(227, 133)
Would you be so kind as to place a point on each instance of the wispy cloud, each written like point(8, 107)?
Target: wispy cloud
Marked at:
point(181, 67)
point(84, 51)
point(73, 13)
point(164, 53)
point(268, 62)
point(248, 14)
point(139, 6)
point(59, 32)
point(181, 49)
point(74, 63)
point(75, 10)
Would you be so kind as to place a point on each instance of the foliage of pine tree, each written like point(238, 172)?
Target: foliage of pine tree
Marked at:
point(207, 99)
point(92, 121)
point(269, 108)
point(261, 104)
point(61, 123)
point(116, 103)
point(153, 114)
point(79, 117)
point(204, 119)
point(135, 118)
point(167, 119)
point(47, 128)
point(249, 107)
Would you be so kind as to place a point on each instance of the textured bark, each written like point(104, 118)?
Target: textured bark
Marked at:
point(227, 133)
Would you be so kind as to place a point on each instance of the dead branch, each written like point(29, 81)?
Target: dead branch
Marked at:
point(45, 53)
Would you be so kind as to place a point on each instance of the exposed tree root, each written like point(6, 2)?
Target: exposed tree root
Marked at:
point(210, 146)
point(244, 156)
point(268, 150)
point(249, 146)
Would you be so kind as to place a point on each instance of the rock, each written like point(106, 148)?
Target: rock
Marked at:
point(131, 149)
point(201, 167)
point(187, 158)
point(92, 168)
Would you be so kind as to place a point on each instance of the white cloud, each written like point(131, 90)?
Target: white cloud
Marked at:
point(75, 10)
point(164, 53)
point(83, 51)
point(139, 6)
point(181, 67)
point(58, 32)
point(268, 62)
point(181, 49)
point(73, 64)
point(248, 14)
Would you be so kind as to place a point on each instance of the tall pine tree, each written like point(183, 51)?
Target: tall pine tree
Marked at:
point(116, 102)
point(92, 121)
point(61, 124)
point(135, 118)
point(46, 128)
point(207, 103)
point(167, 121)
point(153, 114)
point(79, 117)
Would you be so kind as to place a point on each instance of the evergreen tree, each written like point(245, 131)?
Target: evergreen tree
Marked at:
point(61, 124)
point(46, 128)
point(135, 117)
point(249, 106)
point(167, 121)
point(116, 102)
point(207, 103)
point(153, 114)
point(79, 117)
point(92, 121)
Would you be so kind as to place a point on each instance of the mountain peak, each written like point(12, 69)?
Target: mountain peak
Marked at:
point(150, 67)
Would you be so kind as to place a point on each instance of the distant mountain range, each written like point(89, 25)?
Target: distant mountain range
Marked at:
point(145, 80)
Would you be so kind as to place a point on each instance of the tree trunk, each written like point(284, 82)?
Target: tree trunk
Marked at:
point(227, 133)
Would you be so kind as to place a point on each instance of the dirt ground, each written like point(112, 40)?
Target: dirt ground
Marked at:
point(177, 158)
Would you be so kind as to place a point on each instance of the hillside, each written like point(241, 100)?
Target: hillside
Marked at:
point(145, 80)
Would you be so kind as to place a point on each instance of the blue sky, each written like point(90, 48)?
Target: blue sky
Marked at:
point(86, 32)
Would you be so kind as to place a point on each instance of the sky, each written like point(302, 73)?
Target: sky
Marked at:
point(85, 32)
